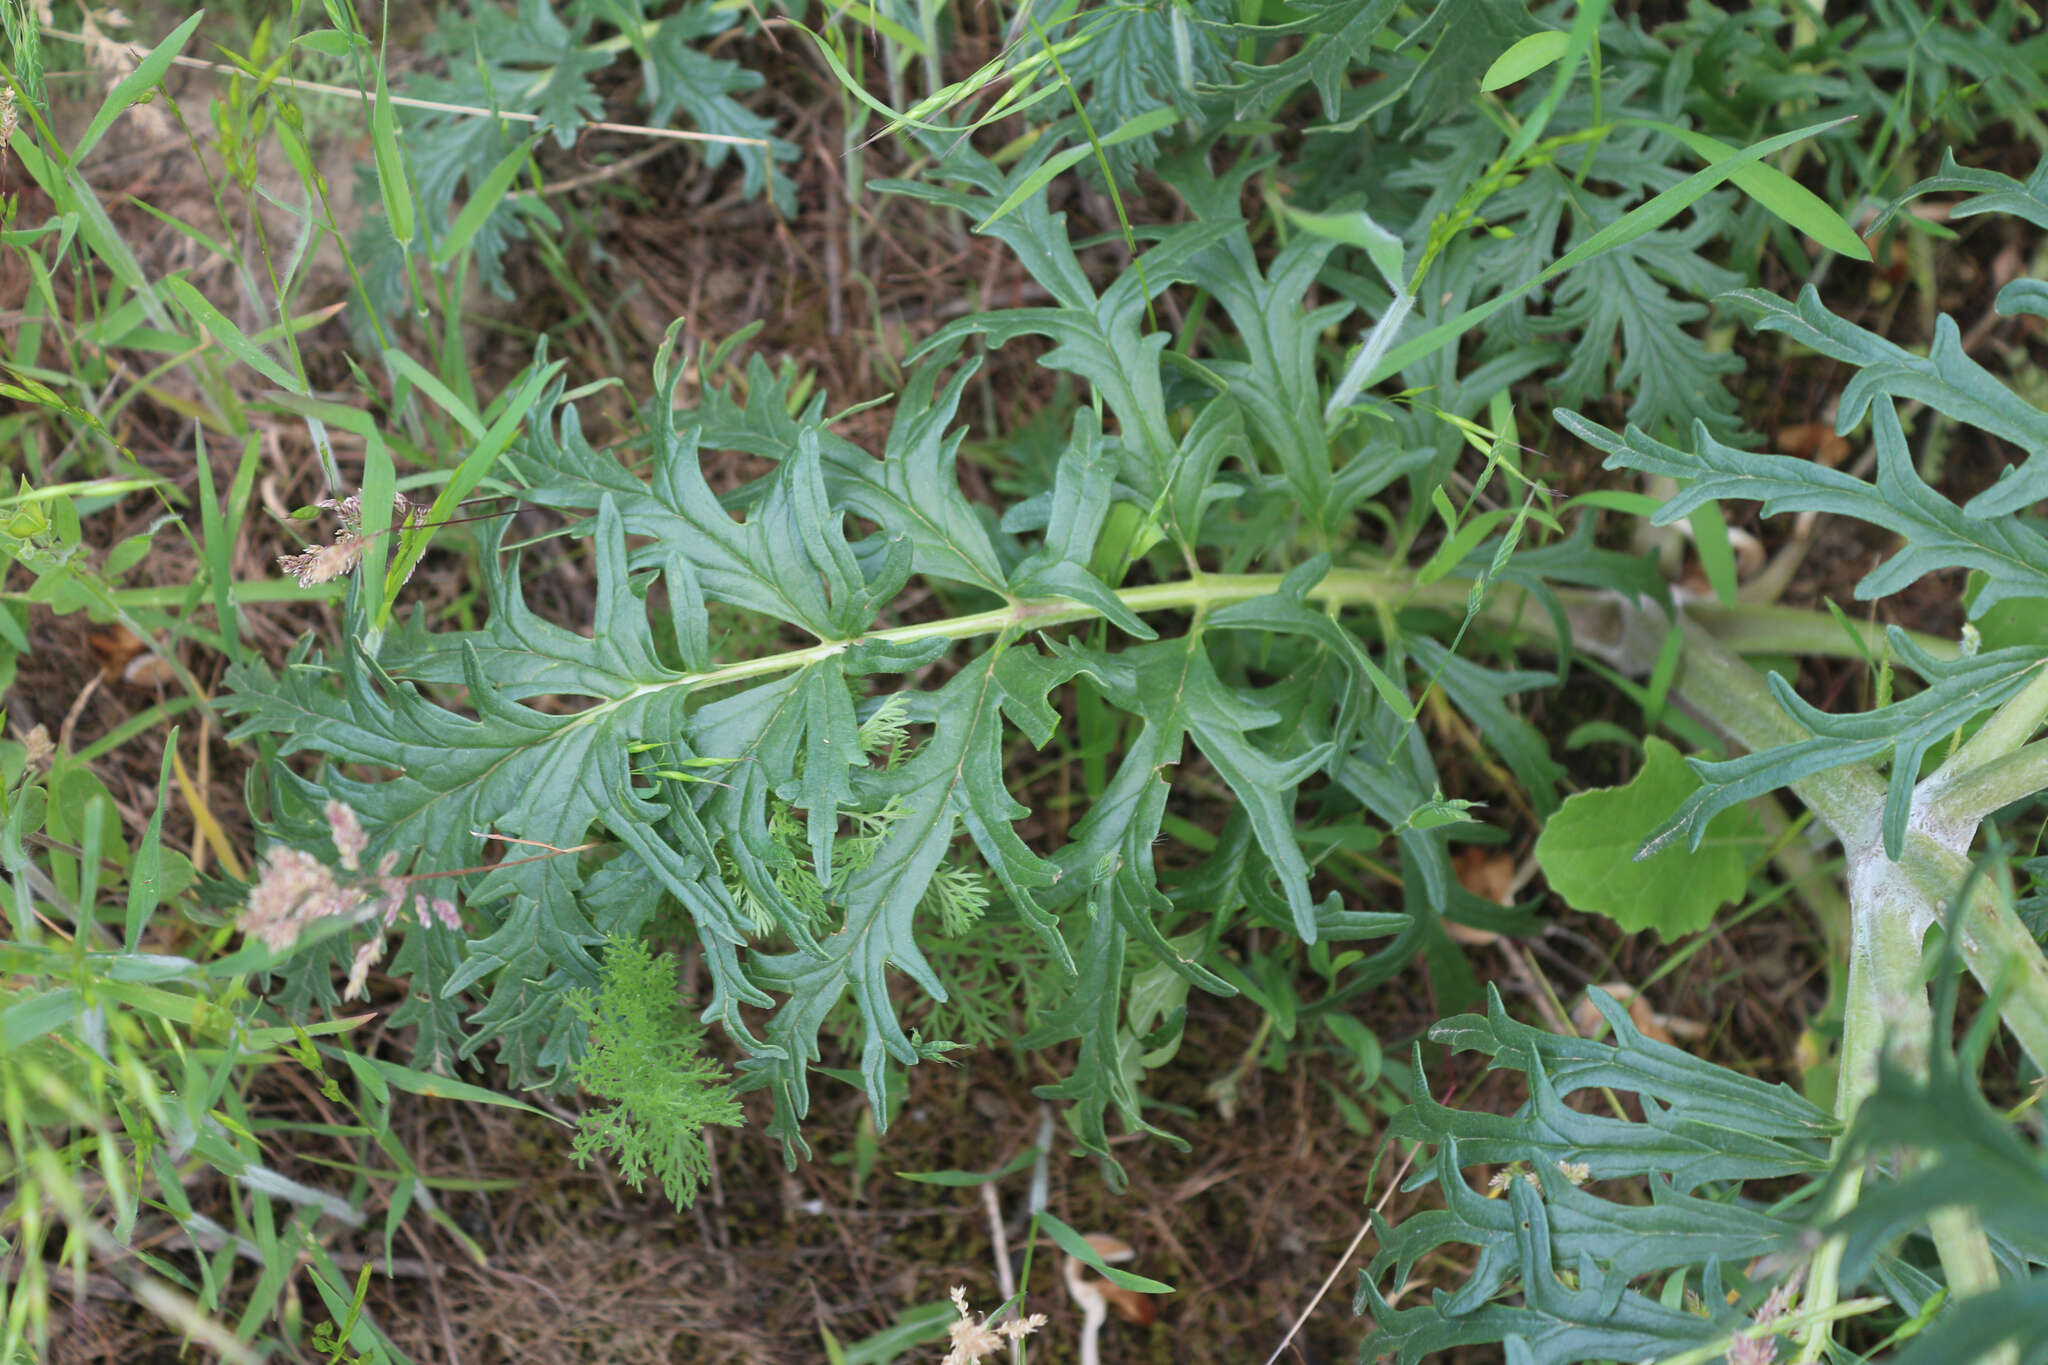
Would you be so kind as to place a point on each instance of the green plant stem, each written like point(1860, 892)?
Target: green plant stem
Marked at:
point(1886, 1001)
point(1766, 628)
point(1969, 1265)
point(1814, 882)
point(1891, 906)
point(2000, 952)
point(2012, 725)
point(1888, 1015)
point(1895, 1021)
point(1610, 625)
point(1992, 786)
point(1732, 696)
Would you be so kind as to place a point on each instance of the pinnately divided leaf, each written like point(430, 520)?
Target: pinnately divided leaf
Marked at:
point(1990, 192)
point(672, 777)
point(1938, 535)
point(1958, 691)
point(543, 61)
point(1569, 1269)
point(1703, 1123)
point(1945, 379)
point(1558, 1323)
point(507, 771)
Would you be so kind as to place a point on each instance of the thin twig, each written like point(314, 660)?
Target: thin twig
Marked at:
point(1394, 1183)
point(530, 843)
point(436, 106)
point(1006, 1278)
point(624, 165)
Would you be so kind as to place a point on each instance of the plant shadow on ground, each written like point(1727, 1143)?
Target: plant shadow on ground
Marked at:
point(580, 1267)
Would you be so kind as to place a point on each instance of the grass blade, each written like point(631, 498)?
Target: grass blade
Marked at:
point(1639, 221)
point(231, 338)
point(144, 878)
point(390, 157)
point(489, 192)
point(1525, 59)
point(134, 85)
point(460, 485)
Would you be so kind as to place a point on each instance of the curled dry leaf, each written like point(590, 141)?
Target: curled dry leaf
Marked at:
point(1098, 1297)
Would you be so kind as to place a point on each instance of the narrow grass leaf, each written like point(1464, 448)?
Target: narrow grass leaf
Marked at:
point(218, 528)
point(1582, 39)
point(1616, 500)
point(210, 245)
point(1076, 1246)
point(1020, 95)
point(97, 231)
point(1452, 552)
point(264, 1039)
point(145, 877)
point(1358, 229)
point(328, 42)
point(1662, 674)
point(1525, 59)
point(1055, 165)
point(882, 24)
point(424, 379)
point(132, 87)
point(372, 1081)
point(490, 445)
point(1717, 556)
point(380, 486)
point(1017, 1163)
point(389, 154)
point(490, 191)
point(1778, 192)
point(447, 1088)
point(1152, 121)
point(231, 338)
point(914, 1327)
point(32, 1018)
point(1638, 222)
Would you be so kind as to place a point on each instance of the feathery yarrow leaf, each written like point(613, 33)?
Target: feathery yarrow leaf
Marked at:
point(644, 1058)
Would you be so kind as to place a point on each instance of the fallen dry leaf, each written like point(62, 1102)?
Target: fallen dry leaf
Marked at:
point(125, 657)
point(1488, 873)
point(115, 647)
point(1813, 441)
point(1664, 1028)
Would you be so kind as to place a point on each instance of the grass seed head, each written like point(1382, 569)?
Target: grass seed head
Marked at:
point(295, 890)
point(973, 1339)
